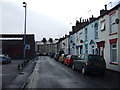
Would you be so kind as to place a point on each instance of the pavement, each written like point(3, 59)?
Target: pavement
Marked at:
point(14, 78)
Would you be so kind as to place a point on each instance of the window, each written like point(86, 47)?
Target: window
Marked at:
point(113, 49)
point(77, 51)
point(77, 38)
point(86, 33)
point(102, 26)
point(96, 51)
point(113, 28)
point(86, 49)
point(81, 49)
point(92, 49)
point(101, 51)
point(82, 57)
point(68, 56)
point(96, 31)
point(74, 57)
point(95, 58)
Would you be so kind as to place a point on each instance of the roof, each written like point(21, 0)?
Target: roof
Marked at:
point(41, 43)
point(116, 7)
point(14, 35)
point(2, 38)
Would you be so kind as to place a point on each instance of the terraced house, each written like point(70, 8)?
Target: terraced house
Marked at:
point(109, 37)
point(99, 35)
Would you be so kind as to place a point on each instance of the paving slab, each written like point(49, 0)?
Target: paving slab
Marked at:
point(14, 78)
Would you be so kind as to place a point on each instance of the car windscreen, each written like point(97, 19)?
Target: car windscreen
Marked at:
point(65, 55)
point(95, 58)
point(74, 57)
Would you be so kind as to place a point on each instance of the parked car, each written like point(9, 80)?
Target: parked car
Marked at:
point(61, 52)
point(56, 57)
point(68, 60)
point(4, 59)
point(61, 58)
point(90, 63)
point(52, 55)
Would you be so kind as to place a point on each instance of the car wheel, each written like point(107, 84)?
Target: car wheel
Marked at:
point(7, 62)
point(64, 62)
point(73, 67)
point(102, 74)
point(83, 71)
point(67, 65)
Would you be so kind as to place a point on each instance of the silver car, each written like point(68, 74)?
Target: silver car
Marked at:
point(4, 59)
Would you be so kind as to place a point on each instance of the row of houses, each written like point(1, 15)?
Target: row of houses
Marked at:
point(99, 36)
point(47, 47)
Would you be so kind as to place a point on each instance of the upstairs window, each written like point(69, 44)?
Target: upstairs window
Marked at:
point(96, 31)
point(113, 27)
point(86, 49)
point(77, 38)
point(102, 25)
point(86, 31)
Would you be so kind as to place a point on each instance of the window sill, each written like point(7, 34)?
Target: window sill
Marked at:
point(86, 40)
point(114, 63)
point(102, 30)
point(112, 34)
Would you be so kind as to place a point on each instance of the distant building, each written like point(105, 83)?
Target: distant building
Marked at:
point(47, 47)
point(13, 45)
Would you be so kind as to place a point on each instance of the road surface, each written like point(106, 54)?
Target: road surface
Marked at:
point(49, 73)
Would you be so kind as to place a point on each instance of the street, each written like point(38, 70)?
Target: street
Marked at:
point(49, 73)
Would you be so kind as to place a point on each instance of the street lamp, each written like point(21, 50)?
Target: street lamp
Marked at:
point(25, 6)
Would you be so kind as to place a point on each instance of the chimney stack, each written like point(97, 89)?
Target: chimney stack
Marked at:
point(83, 20)
point(102, 12)
point(80, 20)
point(105, 7)
point(70, 33)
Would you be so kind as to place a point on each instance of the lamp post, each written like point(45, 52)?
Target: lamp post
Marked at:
point(25, 6)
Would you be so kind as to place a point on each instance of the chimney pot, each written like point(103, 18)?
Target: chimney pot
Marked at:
point(92, 16)
point(83, 20)
point(105, 7)
point(80, 20)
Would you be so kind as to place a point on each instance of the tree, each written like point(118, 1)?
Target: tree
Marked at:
point(50, 40)
point(44, 40)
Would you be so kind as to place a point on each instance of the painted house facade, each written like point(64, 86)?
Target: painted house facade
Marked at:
point(109, 28)
point(99, 36)
point(90, 38)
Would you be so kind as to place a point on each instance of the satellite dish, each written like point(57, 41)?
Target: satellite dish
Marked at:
point(117, 21)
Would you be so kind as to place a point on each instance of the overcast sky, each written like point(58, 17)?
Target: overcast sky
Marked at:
point(47, 18)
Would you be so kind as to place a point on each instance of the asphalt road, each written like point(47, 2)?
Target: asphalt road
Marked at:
point(49, 73)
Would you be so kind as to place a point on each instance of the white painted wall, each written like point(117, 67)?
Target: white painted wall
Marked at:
point(104, 36)
point(119, 40)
